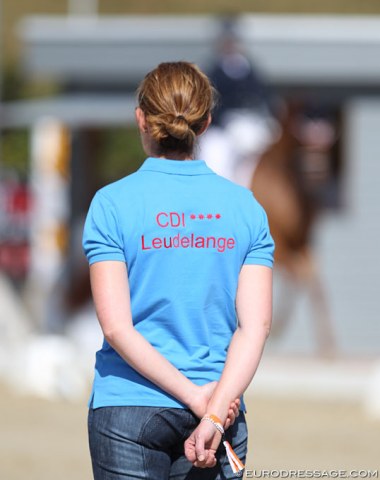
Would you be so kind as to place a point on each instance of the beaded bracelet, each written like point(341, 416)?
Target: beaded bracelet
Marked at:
point(215, 421)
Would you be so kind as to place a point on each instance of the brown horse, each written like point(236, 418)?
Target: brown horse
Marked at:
point(280, 185)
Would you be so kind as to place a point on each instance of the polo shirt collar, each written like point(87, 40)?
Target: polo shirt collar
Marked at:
point(176, 167)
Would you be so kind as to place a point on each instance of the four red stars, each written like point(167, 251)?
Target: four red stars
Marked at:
point(209, 216)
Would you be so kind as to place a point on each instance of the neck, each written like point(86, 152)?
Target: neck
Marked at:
point(170, 155)
point(152, 149)
point(176, 156)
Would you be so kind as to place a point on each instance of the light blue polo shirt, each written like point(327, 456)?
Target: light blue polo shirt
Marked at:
point(184, 233)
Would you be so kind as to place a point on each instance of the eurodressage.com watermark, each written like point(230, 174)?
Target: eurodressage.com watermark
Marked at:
point(324, 474)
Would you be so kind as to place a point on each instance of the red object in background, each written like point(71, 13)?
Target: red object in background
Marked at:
point(14, 259)
point(14, 228)
point(19, 200)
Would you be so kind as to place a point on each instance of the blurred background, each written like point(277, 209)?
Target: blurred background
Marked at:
point(298, 122)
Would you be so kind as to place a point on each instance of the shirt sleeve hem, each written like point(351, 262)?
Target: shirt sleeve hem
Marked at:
point(259, 261)
point(103, 257)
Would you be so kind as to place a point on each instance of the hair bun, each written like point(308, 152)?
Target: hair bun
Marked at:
point(176, 98)
point(178, 128)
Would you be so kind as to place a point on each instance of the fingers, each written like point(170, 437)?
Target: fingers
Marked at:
point(205, 457)
point(195, 450)
point(202, 444)
point(198, 456)
point(190, 449)
point(236, 407)
point(200, 448)
point(233, 413)
point(208, 462)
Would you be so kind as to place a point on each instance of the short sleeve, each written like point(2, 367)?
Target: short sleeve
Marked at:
point(262, 245)
point(101, 238)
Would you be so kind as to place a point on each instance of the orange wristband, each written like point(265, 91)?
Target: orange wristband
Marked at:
point(215, 421)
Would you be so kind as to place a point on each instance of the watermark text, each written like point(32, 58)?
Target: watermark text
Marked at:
point(311, 473)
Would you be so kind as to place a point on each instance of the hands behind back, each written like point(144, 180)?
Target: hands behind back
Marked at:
point(202, 444)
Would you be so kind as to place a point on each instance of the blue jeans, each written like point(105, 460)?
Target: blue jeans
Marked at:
point(148, 443)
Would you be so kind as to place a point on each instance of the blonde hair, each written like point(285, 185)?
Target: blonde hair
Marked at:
point(176, 98)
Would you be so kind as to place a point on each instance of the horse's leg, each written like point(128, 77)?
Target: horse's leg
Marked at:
point(286, 296)
point(323, 325)
point(300, 274)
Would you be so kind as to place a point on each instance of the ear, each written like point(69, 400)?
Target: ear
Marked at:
point(206, 125)
point(141, 120)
